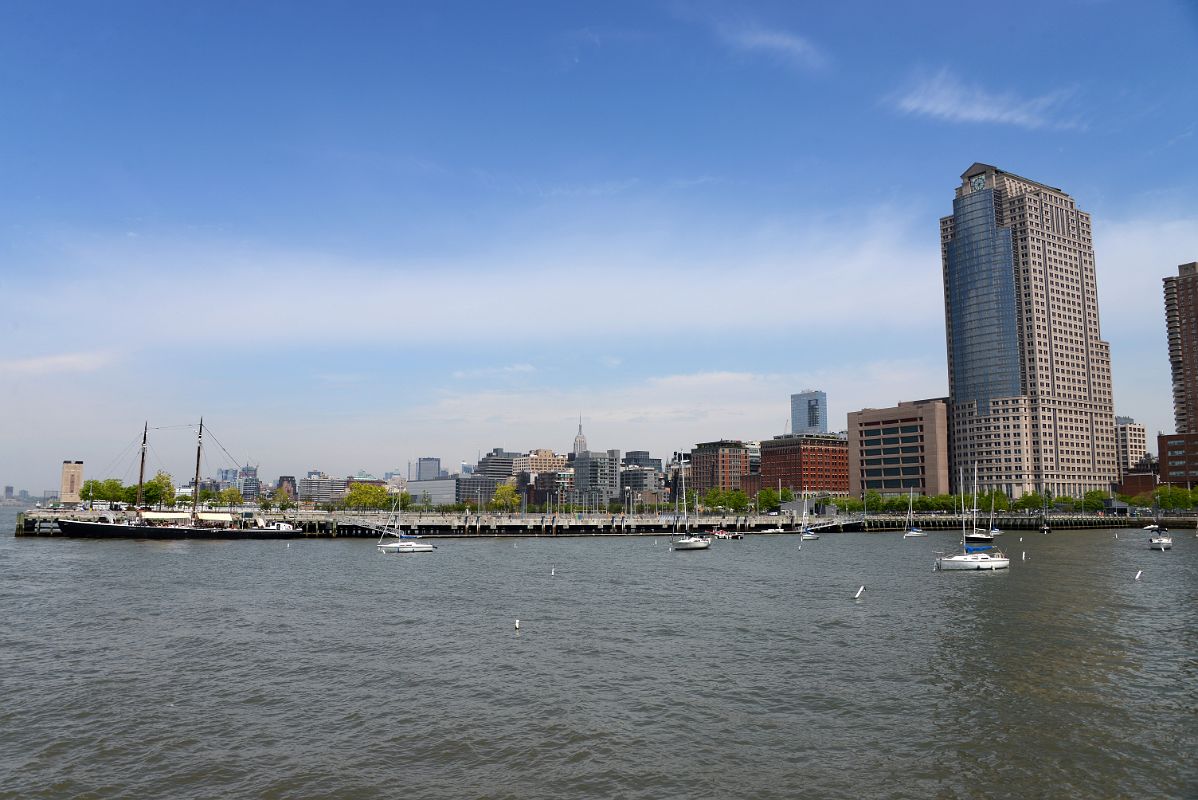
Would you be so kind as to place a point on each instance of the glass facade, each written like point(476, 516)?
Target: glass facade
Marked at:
point(809, 412)
point(981, 296)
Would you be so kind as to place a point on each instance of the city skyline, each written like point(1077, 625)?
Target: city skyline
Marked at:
point(351, 242)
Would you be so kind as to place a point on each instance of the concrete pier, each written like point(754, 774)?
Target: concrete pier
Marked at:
point(328, 524)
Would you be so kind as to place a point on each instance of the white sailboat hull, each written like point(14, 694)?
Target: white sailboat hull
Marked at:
point(406, 547)
point(972, 561)
point(1160, 543)
point(691, 543)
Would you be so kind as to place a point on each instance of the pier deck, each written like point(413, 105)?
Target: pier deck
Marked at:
point(326, 524)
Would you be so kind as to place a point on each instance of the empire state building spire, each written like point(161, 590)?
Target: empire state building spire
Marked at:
point(580, 441)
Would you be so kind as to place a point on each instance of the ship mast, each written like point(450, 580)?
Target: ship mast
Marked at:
point(195, 487)
point(141, 472)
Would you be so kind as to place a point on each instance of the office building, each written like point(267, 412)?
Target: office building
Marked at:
point(539, 461)
point(894, 451)
point(806, 462)
point(640, 458)
point(1131, 444)
point(596, 476)
point(1178, 454)
point(476, 489)
point(428, 469)
point(434, 492)
point(72, 481)
point(809, 412)
point(1181, 324)
point(498, 464)
point(718, 465)
point(8, 493)
point(1029, 374)
point(320, 488)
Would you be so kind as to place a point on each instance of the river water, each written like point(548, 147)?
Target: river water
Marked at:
point(323, 669)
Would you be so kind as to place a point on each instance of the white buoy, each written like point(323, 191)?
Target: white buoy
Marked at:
point(1021, 538)
point(1138, 574)
point(1025, 555)
point(1116, 534)
point(517, 624)
point(552, 570)
point(859, 593)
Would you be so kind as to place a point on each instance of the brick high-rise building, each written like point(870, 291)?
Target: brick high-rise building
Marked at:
point(1029, 373)
point(1181, 323)
point(718, 465)
point(806, 462)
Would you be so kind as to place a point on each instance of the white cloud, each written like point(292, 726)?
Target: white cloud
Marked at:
point(491, 372)
point(1133, 256)
point(785, 45)
point(55, 364)
point(944, 96)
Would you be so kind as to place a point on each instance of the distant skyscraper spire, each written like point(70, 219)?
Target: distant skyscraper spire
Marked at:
point(580, 441)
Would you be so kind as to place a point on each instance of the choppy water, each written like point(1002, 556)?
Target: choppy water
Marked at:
point(254, 669)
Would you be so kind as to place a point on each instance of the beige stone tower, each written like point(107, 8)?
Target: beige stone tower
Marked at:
point(1029, 372)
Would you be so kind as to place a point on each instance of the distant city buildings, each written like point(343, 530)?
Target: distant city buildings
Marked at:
point(1029, 374)
point(809, 412)
point(8, 493)
point(72, 481)
point(248, 484)
point(897, 450)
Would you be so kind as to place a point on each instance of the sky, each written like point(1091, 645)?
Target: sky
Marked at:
point(349, 235)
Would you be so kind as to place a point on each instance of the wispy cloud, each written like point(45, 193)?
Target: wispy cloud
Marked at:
point(60, 363)
point(944, 96)
point(492, 372)
point(789, 47)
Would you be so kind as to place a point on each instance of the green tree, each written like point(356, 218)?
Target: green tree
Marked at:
point(231, 497)
point(506, 498)
point(281, 499)
point(736, 500)
point(873, 500)
point(159, 490)
point(768, 500)
point(265, 502)
point(713, 499)
point(1093, 501)
point(207, 496)
point(1172, 497)
point(367, 495)
point(787, 496)
point(1033, 501)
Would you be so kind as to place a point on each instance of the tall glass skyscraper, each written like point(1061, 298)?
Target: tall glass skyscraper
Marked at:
point(1029, 374)
point(809, 412)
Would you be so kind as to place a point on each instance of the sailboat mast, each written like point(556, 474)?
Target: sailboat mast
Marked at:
point(141, 472)
point(195, 487)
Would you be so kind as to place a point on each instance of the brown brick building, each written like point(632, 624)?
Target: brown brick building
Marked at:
point(718, 465)
point(811, 462)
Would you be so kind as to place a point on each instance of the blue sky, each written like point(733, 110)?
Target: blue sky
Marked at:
point(349, 235)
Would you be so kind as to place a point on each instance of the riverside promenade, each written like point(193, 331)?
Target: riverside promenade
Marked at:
point(365, 524)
